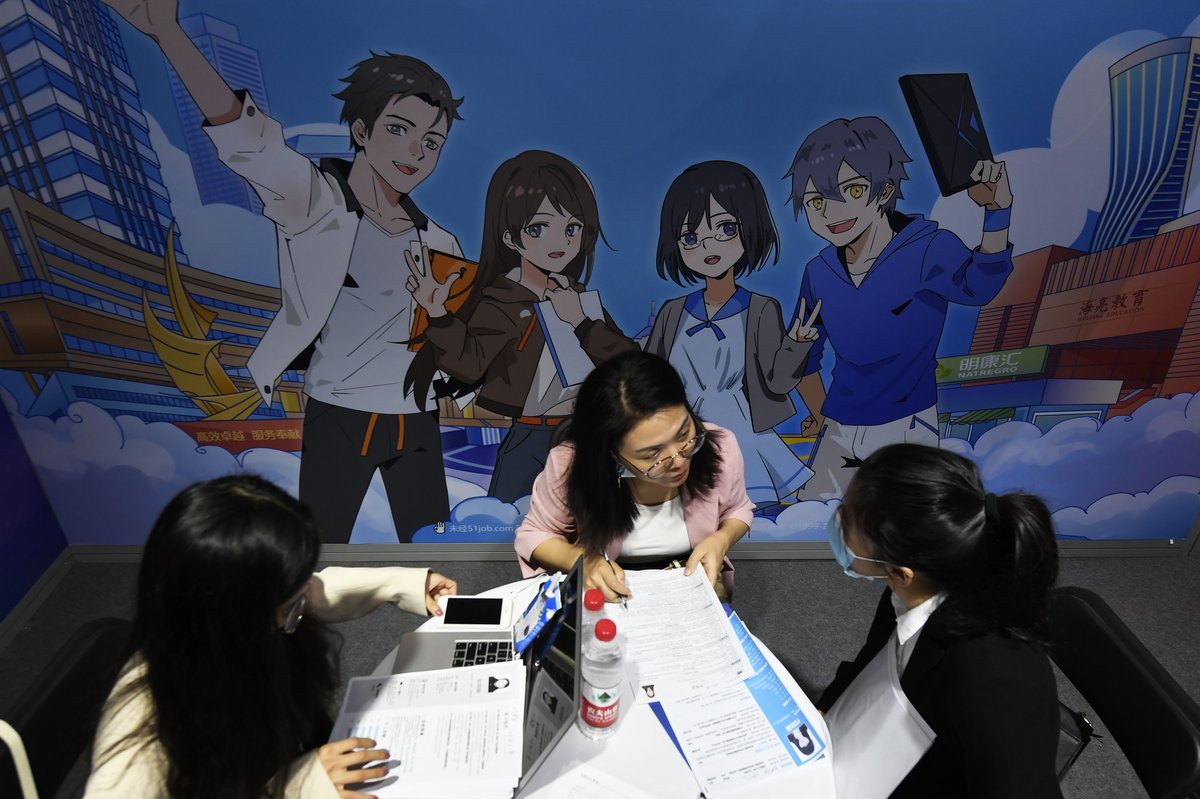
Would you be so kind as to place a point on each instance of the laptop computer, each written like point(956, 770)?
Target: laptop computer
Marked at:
point(553, 677)
point(947, 117)
point(552, 670)
point(447, 649)
point(452, 646)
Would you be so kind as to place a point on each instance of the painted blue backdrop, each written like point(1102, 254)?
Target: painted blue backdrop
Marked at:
point(633, 93)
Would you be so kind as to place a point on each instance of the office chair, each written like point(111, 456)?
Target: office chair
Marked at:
point(56, 716)
point(1154, 721)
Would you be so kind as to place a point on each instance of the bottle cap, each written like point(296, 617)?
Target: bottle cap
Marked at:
point(606, 630)
point(593, 599)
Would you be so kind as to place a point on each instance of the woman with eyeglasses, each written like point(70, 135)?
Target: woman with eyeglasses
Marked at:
point(228, 688)
point(638, 481)
point(968, 577)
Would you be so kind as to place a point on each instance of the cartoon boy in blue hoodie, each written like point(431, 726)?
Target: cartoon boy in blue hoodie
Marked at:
point(884, 285)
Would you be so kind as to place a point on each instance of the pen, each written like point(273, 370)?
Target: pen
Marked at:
point(624, 604)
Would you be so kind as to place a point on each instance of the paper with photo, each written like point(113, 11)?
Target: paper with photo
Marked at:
point(795, 721)
point(727, 739)
point(449, 732)
point(749, 735)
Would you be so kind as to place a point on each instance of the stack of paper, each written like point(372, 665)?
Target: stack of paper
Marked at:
point(726, 709)
point(451, 733)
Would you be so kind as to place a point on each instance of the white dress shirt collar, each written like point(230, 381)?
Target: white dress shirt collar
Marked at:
point(909, 621)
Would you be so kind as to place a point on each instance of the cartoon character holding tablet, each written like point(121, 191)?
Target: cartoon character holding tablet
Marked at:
point(884, 283)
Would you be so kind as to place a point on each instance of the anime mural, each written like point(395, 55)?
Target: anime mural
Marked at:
point(370, 252)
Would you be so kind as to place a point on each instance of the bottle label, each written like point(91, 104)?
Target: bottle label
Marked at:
point(599, 706)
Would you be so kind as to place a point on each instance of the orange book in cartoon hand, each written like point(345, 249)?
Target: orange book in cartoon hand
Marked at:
point(443, 267)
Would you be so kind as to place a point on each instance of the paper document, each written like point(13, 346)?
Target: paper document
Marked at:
point(589, 782)
point(571, 362)
point(677, 636)
point(728, 740)
point(877, 733)
point(450, 733)
point(746, 733)
point(799, 727)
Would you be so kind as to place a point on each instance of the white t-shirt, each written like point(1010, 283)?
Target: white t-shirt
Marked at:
point(358, 362)
point(658, 530)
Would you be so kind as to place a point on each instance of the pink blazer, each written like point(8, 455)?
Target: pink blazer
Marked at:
point(549, 517)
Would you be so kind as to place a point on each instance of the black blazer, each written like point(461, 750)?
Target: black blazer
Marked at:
point(991, 700)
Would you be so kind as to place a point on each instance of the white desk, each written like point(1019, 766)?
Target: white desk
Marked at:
point(640, 752)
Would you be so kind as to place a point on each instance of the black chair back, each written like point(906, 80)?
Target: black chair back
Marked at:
point(57, 715)
point(1152, 719)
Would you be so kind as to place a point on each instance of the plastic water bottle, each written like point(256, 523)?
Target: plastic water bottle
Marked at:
point(603, 672)
point(593, 611)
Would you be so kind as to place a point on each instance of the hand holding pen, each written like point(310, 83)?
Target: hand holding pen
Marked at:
point(613, 567)
point(600, 572)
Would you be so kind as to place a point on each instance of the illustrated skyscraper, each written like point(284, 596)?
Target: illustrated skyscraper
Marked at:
point(239, 65)
point(1155, 95)
point(72, 130)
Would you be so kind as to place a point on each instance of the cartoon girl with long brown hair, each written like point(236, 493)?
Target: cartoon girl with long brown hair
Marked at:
point(540, 229)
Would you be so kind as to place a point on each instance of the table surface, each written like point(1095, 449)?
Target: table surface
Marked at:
point(641, 753)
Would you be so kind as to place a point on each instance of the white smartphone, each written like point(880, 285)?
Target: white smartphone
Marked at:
point(476, 611)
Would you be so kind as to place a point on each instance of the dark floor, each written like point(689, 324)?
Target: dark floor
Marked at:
point(807, 612)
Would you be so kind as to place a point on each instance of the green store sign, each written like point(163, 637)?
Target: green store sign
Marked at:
point(992, 365)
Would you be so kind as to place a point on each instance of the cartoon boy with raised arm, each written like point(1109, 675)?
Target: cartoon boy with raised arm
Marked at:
point(343, 230)
point(884, 284)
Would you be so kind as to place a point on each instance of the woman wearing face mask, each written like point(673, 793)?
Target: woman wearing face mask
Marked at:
point(968, 577)
point(639, 478)
point(228, 689)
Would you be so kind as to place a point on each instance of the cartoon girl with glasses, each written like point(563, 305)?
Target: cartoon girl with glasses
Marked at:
point(729, 344)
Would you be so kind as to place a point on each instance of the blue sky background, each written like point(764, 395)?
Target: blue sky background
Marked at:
point(634, 92)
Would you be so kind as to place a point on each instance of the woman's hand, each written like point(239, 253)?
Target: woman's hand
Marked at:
point(437, 586)
point(607, 576)
point(342, 761)
point(710, 553)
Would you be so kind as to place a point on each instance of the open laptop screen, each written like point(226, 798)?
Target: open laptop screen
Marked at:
point(553, 680)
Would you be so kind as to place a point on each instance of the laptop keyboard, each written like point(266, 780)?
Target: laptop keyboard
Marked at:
point(474, 653)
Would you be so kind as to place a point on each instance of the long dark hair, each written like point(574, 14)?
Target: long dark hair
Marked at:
point(614, 397)
point(926, 508)
point(516, 191)
point(235, 700)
